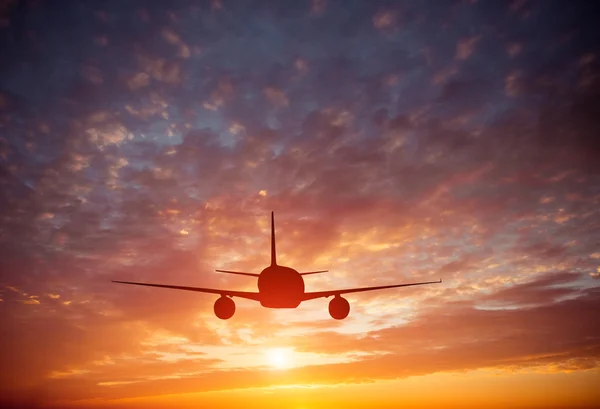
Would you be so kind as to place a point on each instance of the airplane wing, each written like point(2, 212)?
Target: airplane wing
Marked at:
point(320, 294)
point(241, 294)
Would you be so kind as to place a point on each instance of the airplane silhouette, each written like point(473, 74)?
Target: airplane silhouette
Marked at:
point(278, 287)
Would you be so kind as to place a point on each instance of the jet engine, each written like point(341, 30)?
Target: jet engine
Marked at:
point(224, 308)
point(339, 308)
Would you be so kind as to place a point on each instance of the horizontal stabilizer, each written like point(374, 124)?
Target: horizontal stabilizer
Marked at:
point(238, 273)
point(314, 272)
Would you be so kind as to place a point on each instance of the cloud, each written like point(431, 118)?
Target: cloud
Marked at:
point(388, 144)
point(464, 335)
point(447, 337)
point(465, 47)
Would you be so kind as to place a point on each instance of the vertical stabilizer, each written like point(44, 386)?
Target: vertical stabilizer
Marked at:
point(273, 252)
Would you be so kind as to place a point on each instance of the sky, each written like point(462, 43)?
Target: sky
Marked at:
point(396, 141)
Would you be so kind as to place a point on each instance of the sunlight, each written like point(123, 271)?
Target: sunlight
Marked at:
point(278, 358)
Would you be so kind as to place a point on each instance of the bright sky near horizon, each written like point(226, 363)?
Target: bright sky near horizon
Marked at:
point(396, 141)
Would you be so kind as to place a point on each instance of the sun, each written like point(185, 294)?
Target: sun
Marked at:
point(278, 358)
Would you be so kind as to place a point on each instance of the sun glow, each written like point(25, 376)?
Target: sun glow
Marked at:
point(278, 358)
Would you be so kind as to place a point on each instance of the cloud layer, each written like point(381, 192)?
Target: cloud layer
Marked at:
point(395, 141)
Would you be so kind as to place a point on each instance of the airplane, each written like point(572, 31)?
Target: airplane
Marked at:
point(278, 287)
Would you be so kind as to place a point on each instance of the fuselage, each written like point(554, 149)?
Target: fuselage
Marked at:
point(280, 287)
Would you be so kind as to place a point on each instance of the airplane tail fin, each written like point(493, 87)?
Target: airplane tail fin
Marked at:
point(273, 252)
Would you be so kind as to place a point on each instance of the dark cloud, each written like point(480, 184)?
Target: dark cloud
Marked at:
point(541, 291)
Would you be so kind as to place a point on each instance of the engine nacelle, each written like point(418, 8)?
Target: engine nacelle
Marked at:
point(339, 308)
point(224, 308)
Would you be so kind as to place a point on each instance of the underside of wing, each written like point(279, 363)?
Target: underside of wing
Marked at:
point(231, 293)
point(320, 294)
